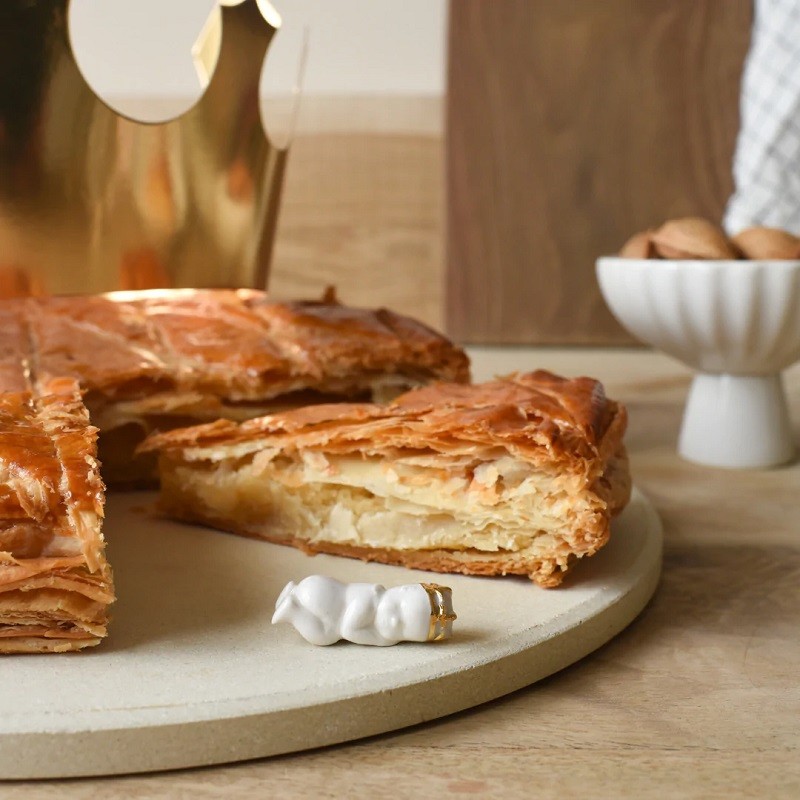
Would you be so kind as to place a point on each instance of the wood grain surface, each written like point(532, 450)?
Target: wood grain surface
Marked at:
point(699, 698)
point(571, 126)
point(363, 211)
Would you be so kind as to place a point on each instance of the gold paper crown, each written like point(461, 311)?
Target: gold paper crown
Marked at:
point(93, 201)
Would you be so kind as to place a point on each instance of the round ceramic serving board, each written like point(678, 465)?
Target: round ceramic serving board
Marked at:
point(194, 673)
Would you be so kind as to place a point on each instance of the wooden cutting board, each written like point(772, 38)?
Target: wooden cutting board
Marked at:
point(195, 674)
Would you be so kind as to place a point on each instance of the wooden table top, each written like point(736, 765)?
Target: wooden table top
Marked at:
point(699, 697)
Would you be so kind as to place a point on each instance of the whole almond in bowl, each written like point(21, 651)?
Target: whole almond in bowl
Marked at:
point(768, 244)
point(693, 238)
point(640, 245)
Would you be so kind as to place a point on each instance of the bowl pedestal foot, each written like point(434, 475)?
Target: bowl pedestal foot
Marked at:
point(736, 421)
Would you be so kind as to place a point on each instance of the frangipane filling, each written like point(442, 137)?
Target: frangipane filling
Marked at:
point(485, 501)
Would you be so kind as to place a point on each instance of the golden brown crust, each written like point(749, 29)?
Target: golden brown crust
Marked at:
point(159, 359)
point(331, 338)
point(55, 584)
point(106, 347)
point(237, 345)
point(38, 643)
point(535, 415)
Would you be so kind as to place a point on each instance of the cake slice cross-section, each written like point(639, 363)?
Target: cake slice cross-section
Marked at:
point(55, 583)
point(520, 475)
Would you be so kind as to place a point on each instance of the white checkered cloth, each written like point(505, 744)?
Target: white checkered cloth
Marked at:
point(766, 166)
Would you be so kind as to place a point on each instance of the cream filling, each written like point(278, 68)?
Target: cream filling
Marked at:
point(401, 530)
point(500, 490)
point(501, 505)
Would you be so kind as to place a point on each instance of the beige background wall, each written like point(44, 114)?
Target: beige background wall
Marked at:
point(132, 47)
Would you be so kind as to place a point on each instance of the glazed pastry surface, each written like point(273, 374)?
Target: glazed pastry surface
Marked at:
point(161, 359)
point(55, 583)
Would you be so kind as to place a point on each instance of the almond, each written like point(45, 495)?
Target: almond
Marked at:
point(639, 245)
point(768, 243)
point(693, 237)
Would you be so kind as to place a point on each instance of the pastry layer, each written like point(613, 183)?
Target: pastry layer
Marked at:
point(521, 475)
point(155, 360)
point(55, 584)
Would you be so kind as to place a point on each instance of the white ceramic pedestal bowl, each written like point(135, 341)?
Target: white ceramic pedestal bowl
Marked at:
point(738, 324)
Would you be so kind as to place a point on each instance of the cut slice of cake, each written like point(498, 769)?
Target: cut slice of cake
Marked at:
point(520, 475)
point(55, 584)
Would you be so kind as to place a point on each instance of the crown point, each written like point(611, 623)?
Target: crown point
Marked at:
point(268, 11)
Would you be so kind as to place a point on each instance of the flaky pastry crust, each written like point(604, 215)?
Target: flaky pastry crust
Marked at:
point(239, 345)
point(160, 359)
point(55, 583)
point(564, 435)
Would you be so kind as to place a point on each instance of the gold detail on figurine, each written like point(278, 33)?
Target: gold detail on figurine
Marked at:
point(442, 616)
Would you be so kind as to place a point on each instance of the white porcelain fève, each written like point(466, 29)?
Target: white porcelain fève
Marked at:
point(738, 324)
point(324, 610)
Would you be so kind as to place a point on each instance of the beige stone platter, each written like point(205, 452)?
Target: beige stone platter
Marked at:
point(193, 673)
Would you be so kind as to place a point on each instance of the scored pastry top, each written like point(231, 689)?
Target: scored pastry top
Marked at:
point(239, 344)
point(52, 498)
point(537, 416)
point(55, 582)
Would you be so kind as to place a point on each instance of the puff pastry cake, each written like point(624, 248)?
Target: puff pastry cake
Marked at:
point(55, 583)
point(517, 476)
point(160, 359)
point(139, 361)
